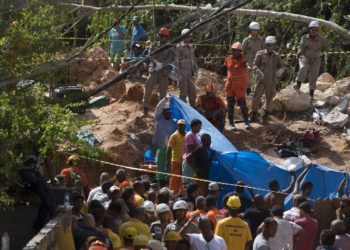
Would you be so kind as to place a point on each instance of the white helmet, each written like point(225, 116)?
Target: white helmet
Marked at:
point(254, 26)
point(270, 39)
point(184, 31)
point(162, 207)
point(180, 205)
point(149, 206)
point(314, 24)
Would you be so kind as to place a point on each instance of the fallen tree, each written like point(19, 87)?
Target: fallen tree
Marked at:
point(238, 12)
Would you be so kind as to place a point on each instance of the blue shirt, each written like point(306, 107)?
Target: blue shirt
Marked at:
point(116, 38)
point(138, 34)
point(164, 128)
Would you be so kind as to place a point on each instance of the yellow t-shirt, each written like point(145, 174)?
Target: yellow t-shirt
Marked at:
point(235, 232)
point(138, 200)
point(176, 143)
point(113, 237)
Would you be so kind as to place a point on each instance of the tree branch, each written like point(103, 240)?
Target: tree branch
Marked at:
point(238, 12)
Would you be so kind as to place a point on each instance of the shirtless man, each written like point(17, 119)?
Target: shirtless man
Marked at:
point(276, 197)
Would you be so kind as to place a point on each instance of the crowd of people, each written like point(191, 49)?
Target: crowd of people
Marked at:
point(142, 213)
point(252, 64)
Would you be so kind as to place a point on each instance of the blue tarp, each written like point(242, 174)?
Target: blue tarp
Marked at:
point(250, 167)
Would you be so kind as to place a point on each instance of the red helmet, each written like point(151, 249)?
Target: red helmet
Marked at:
point(164, 31)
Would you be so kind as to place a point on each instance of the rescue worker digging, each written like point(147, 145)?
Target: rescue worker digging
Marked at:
point(212, 107)
point(251, 45)
point(311, 47)
point(236, 83)
point(187, 69)
point(268, 66)
point(159, 70)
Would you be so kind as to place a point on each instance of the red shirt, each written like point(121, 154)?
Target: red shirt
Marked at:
point(310, 225)
point(123, 185)
point(214, 216)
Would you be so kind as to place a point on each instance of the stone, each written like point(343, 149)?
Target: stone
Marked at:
point(336, 119)
point(293, 100)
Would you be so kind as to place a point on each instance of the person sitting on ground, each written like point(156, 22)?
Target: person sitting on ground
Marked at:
point(174, 155)
point(150, 211)
point(269, 230)
point(137, 222)
point(129, 199)
point(191, 142)
point(201, 160)
point(206, 239)
point(117, 209)
point(236, 83)
point(212, 107)
point(139, 189)
point(88, 234)
point(310, 226)
point(276, 197)
point(234, 230)
point(122, 180)
point(294, 213)
point(214, 189)
point(288, 233)
point(170, 240)
point(342, 239)
point(181, 224)
point(306, 187)
point(75, 176)
point(214, 215)
point(158, 227)
point(165, 127)
point(256, 214)
point(103, 178)
point(201, 210)
point(327, 239)
point(109, 228)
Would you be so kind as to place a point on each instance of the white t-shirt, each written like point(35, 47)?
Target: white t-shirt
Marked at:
point(292, 214)
point(93, 192)
point(260, 243)
point(199, 243)
point(284, 236)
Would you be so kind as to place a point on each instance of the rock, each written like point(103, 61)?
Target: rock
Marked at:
point(293, 100)
point(117, 90)
point(322, 86)
point(325, 81)
point(336, 119)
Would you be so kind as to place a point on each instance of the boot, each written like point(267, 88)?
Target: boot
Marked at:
point(265, 118)
point(254, 117)
point(244, 111)
point(297, 85)
point(246, 123)
point(145, 112)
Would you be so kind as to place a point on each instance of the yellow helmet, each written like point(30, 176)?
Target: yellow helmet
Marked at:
point(234, 202)
point(172, 236)
point(72, 158)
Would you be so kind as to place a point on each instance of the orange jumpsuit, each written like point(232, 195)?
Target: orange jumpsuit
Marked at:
point(213, 108)
point(237, 77)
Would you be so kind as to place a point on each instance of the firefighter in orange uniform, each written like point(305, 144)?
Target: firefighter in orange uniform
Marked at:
point(212, 107)
point(236, 83)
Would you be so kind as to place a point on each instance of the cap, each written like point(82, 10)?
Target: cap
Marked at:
point(314, 24)
point(149, 206)
point(130, 233)
point(254, 26)
point(141, 240)
point(270, 39)
point(213, 186)
point(162, 208)
point(136, 18)
point(155, 245)
point(172, 236)
point(234, 202)
point(180, 205)
point(113, 188)
point(237, 45)
point(181, 121)
point(184, 31)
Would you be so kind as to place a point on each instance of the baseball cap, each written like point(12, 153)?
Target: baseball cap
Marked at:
point(130, 233)
point(113, 188)
point(172, 236)
point(149, 206)
point(181, 121)
point(180, 205)
point(162, 208)
point(213, 186)
point(234, 202)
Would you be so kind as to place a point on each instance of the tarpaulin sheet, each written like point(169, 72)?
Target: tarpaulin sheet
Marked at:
point(248, 166)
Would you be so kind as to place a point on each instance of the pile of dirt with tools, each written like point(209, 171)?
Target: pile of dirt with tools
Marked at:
point(126, 136)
